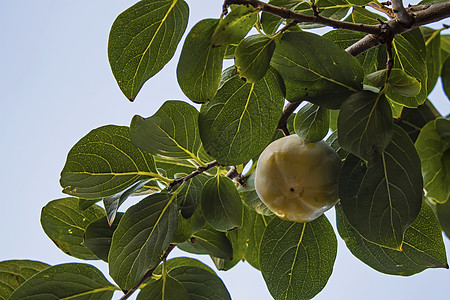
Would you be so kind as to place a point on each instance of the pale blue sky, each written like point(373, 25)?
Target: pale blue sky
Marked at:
point(56, 85)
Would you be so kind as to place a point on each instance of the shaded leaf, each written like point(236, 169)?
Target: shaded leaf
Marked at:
point(189, 196)
point(173, 166)
point(316, 69)
point(413, 119)
point(382, 199)
point(166, 287)
point(404, 84)
point(445, 76)
point(236, 24)
point(172, 132)
point(199, 283)
point(187, 227)
point(332, 140)
point(423, 246)
point(15, 272)
point(209, 241)
point(432, 149)
point(241, 119)
point(143, 39)
point(365, 124)
point(312, 122)
point(86, 203)
point(250, 197)
point(221, 203)
point(252, 57)
point(104, 163)
point(142, 236)
point(200, 64)
point(183, 261)
point(73, 280)
point(297, 259)
point(433, 59)
point(65, 224)
point(98, 236)
point(443, 215)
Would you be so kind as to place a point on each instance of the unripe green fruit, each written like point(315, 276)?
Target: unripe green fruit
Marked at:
point(298, 180)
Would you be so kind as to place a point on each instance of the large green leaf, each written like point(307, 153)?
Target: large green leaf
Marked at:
point(187, 227)
point(312, 122)
point(412, 120)
point(250, 197)
point(221, 203)
point(241, 119)
point(365, 124)
point(381, 200)
point(410, 55)
point(182, 261)
point(316, 69)
point(172, 132)
point(98, 236)
point(66, 281)
point(174, 166)
point(143, 39)
point(423, 246)
point(65, 224)
point(104, 163)
point(432, 148)
point(199, 283)
point(252, 57)
point(236, 24)
point(297, 259)
point(209, 241)
point(190, 194)
point(200, 64)
point(15, 272)
point(165, 288)
point(445, 76)
point(433, 60)
point(142, 236)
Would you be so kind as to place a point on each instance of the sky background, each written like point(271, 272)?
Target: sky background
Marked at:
point(56, 85)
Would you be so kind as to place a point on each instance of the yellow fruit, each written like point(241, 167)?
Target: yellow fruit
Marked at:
point(298, 180)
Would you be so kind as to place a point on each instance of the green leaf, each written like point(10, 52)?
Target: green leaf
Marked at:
point(445, 76)
point(443, 215)
point(163, 289)
point(246, 240)
point(332, 140)
point(316, 69)
point(98, 236)
point(104, 163)
point(297, 259)
point(187, 227)
point(423, 246)
point(433, 58)
point(200, 64)
point(312, 122)
point(410, 55)
point(209, 241)
point(241, 119)
point(73, 280)
point(378, 78)
point(143, 39)
point(363, 15)
point(172, 132)
point(382, 199)
point(252, 57)
point(412, 120)
point(199, 283)
point(190, 195)
point(365, 124)
point(15, 272)
point(250, 197)
point(236, 24)
point(86, 203)
point(432, 149)
point(112, 203)
point(182, 261)
point(142, 236)
point(65, 224)
point(221, 203)
point(173, 166)
point(404, 84)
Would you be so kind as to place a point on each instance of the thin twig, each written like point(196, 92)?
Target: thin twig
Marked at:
point(287, 112)
point(382, 9)
point(148, 274)
point(199, 170)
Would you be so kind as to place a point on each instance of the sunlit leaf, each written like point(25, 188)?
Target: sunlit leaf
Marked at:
point(104, 163)
point(434, 150)
point(73, 280)
point(15, 272)
point(382, 199)
point(241, 119)
point(65, 224)
point(142, 236)
point(423, 246)
point(365, 124)
point(312, 122)
point(297, 259)
point(316, 69)
point(200, 64)
point(221, 203)
point(143, 39)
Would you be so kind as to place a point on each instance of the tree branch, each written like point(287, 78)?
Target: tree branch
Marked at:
point(400, 13)
point(287, 112)
point(424, 15)
point(148, 274)
point(199, 170)
point(301, 18)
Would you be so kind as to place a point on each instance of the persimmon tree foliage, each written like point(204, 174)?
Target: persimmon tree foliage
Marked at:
point(363, 87)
